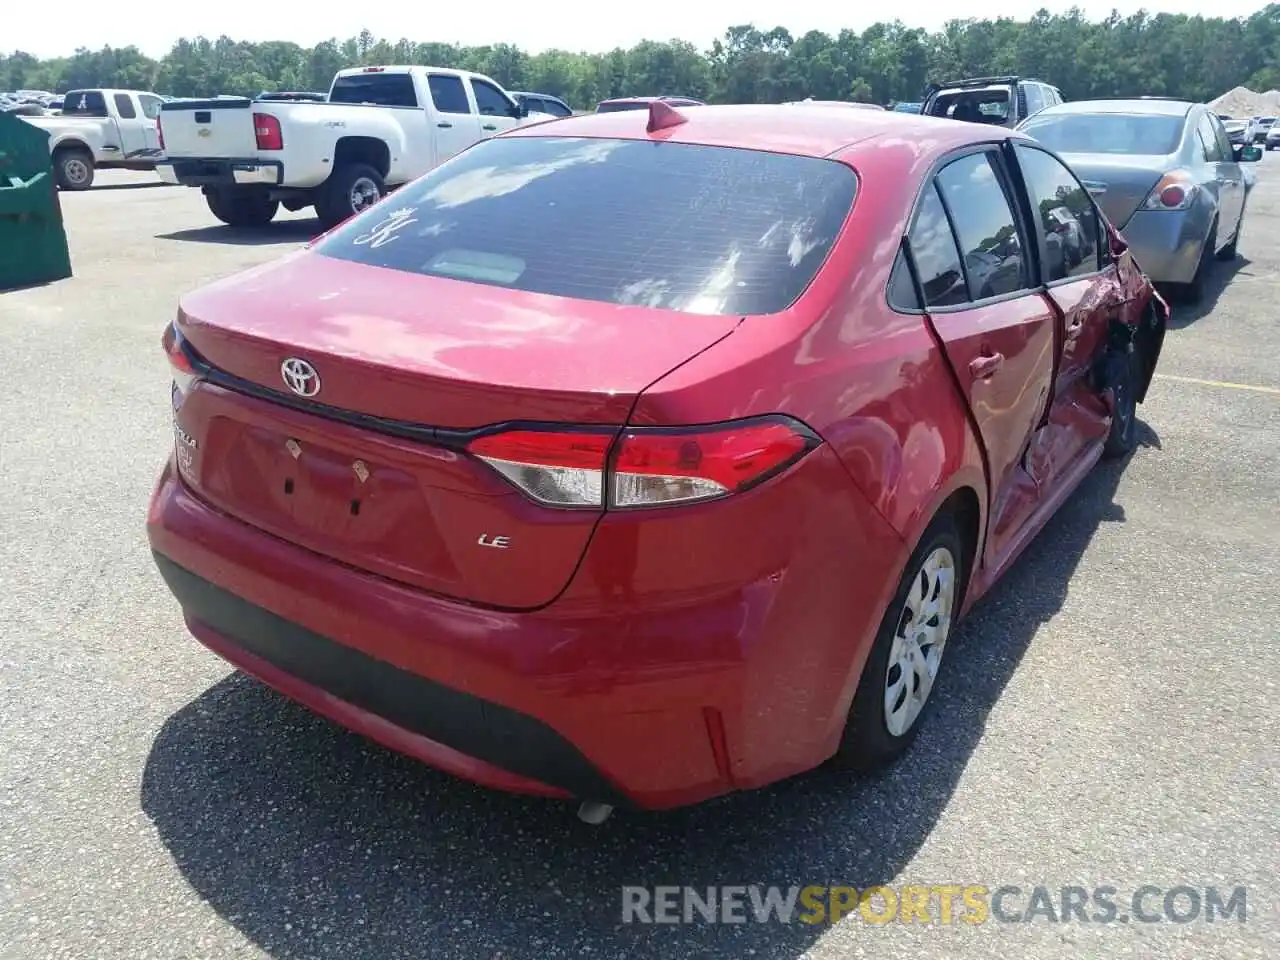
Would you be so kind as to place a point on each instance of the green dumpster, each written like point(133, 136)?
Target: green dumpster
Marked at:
point(33, 243)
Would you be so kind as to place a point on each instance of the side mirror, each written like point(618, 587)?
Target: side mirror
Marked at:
point(519, 110)
point(1250, 154)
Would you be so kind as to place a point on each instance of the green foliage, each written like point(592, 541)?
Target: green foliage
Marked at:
point(1172, 55)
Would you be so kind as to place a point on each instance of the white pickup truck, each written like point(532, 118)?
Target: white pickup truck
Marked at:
point(102, 129)
point(380, 127)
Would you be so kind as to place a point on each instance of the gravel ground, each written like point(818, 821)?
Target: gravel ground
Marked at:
point(1109, 718)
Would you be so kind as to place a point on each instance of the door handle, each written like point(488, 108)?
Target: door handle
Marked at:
point(488, 126)
point(985, 366)
point(444, 125)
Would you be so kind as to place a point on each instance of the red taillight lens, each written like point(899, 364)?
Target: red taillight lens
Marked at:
point(160, 131)
point(1175, 191)
point(651, 466)
point(185, 374)
point(267, 129)
point(655, 467)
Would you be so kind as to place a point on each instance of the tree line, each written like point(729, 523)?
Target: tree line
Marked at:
point(1197, 58)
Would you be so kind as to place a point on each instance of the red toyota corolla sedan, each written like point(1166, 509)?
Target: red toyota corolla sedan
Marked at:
point(646, 456)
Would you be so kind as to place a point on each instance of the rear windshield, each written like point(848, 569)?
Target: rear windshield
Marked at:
point(1143, 134)
point(385, 89)
point(617, 105)
point(708, 230)
point(974, 106)
point(84, 103)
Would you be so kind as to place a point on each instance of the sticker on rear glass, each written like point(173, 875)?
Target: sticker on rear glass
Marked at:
point(388, 230)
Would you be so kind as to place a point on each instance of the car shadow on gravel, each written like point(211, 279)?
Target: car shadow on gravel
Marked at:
point(315, 842)
point(281, 231)
point(1221, 275)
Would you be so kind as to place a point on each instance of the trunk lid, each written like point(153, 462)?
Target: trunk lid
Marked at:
point(341, 472)
point(208, 128)
point(1118, 184)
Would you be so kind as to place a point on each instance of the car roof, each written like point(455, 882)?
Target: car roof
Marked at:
point(775, 128)
point(1156, 107)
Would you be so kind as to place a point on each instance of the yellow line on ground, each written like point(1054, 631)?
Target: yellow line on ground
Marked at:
point(1253, 388)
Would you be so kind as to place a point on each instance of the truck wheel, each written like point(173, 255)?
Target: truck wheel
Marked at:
point(73, 168)
point(350, 189)
point(241, 209)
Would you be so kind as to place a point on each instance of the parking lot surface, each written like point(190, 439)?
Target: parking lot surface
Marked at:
point(1108, 714)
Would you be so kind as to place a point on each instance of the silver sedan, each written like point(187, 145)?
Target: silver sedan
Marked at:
point(1164, 172)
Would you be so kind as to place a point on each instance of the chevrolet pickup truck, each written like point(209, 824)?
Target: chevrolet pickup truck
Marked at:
point(379, 127)
point(102, 129)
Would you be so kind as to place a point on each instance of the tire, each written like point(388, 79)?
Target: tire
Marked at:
point(874, 735)
point(73, 168)
point(349, 190)
point(1125, 385)
point(241, 209)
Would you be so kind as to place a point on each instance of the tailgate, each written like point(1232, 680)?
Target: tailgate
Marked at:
point(208, 128)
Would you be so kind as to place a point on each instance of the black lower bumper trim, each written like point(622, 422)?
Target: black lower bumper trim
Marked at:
point(498, 735)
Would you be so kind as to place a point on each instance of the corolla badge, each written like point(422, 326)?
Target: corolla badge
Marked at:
point(300, 377)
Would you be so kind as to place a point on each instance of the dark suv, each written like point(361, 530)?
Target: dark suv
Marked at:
point(1000, 101)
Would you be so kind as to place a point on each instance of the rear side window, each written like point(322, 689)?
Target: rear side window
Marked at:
point(384, 89)
point(448, 93)
point(1208, 138)
point(124, 106)
point(556, 108)
point(1067, 218)
point(699, 229)
point(84, 103)
point(994, 260)
point(937, 259)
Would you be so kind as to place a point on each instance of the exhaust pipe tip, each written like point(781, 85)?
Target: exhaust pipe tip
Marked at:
point(594, 813)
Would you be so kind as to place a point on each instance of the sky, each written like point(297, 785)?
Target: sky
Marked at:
point(532, 26)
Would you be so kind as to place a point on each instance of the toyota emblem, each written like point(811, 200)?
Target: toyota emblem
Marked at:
point(300, 377)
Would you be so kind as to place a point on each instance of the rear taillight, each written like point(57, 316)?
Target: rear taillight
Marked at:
point(185, 374)
point(266, 129)
point(1175, 191)
point(643, 466)
point(160, 131)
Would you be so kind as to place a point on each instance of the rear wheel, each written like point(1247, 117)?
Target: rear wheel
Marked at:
point(73, 168)
point(238, 209)
point(1124, 418)
point(350, 189)
point(902, 668)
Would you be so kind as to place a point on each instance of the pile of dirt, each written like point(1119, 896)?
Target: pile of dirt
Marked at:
point(1243, 102)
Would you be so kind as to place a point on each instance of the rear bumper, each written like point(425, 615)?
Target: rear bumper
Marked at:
point(221, 172)
point(653, 704)
point(407, 712)
point(1167, 245)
